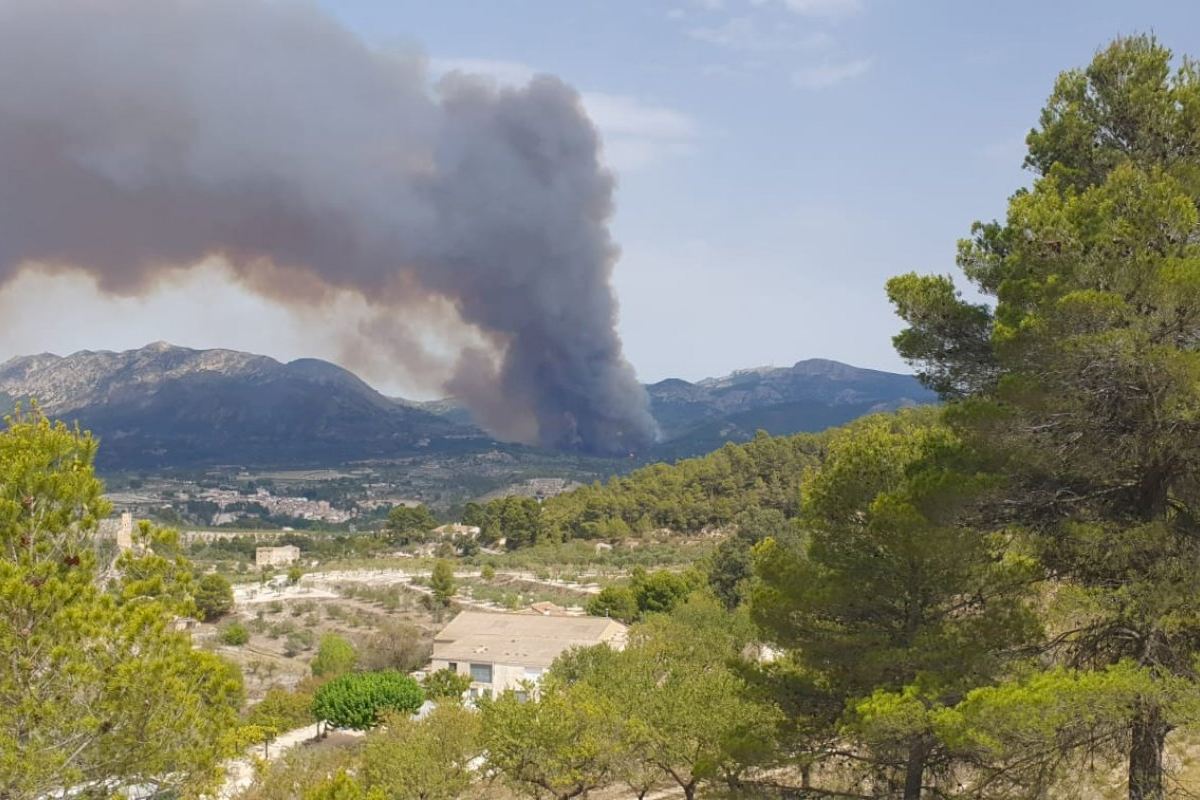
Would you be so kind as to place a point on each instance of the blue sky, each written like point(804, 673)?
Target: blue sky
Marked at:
point(777, 161)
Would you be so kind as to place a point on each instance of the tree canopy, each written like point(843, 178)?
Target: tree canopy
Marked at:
point(335, 656)
point(427, 759)
point(359, 700)
point(687, 497)
point(97, 688)
point(887, 594)
point(213, 596)
point(409, 523)
point(1082, 379)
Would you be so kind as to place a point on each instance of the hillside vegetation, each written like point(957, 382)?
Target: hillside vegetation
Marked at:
point(688, 497)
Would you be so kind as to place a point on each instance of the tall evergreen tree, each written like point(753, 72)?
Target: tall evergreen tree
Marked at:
point(1085, 376)
point(898, 608)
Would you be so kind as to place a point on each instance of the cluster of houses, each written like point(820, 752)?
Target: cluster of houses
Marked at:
point(281, 505)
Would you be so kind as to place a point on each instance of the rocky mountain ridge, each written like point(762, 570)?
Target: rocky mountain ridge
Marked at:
point(163, 405)
point(809, 395)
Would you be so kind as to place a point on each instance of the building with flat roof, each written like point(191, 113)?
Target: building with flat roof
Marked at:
point(276, 556)
point(503, 651)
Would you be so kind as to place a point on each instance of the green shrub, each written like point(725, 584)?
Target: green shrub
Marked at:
point(618, 602)
point(297, 642)
point(281, 710)
point(442, 582)
point(213, 597)
point(234, 634)
point(394, 645)
point(661, 591)
point(334, 656)
point(358, 700)
point(281, 629)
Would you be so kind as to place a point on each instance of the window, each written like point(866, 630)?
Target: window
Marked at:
point(452, 666)
point(481, 673)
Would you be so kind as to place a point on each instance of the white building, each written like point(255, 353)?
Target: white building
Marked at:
point(502, 651)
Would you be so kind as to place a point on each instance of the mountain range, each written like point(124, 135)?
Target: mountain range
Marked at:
point(165, 406)
point(810, 395)
point(168, 406)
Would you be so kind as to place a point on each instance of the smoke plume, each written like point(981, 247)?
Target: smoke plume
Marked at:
point(139, 137)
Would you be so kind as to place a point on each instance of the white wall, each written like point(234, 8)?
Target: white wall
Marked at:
point(504, 676)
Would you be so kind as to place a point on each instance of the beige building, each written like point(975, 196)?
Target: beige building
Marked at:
point(276, 556)
point(503, 651)
point(120, 530)
point(125, 531)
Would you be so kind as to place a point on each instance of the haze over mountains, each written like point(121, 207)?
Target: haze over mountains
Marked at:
point(167, 406)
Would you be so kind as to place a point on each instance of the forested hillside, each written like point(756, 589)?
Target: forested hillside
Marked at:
point(686, 497)
point(692, 494)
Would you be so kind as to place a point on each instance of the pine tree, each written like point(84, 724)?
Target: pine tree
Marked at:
point(98, 691)
point(1085, 378)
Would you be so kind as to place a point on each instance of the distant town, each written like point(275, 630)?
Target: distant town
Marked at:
point(321, 498)
point(296, 507)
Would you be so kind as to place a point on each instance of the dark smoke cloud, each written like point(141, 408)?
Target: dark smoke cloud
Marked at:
point(139, 136)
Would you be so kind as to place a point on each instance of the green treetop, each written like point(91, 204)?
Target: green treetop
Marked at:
point(410, 523)
point(213, 596)
point(562, 744)
point(442, 582)
point(685, 716)
point(359, 700)
point(427, 759)
point(446, 684)
point(335, 656)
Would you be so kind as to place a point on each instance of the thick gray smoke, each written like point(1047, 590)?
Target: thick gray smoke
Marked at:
point(140, 136)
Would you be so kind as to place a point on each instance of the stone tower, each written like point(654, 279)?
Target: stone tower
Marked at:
point(125, 532)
